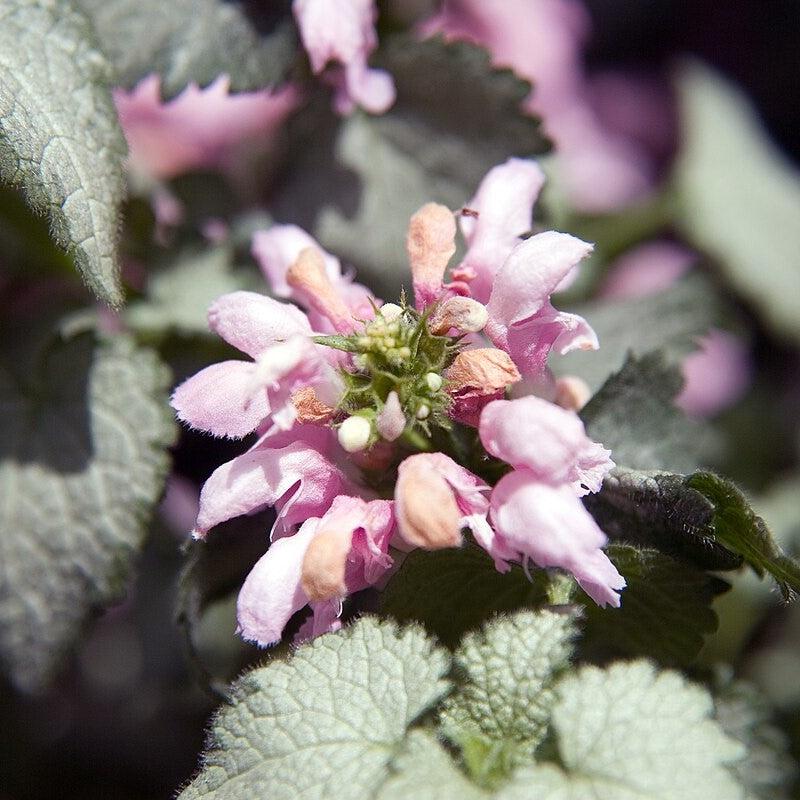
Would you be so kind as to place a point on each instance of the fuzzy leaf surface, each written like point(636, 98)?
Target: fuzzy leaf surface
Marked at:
point(325, 723)
point(192, 41)
point(424, 769)
point(746, 218)
point(742, 531)
point(61, 145)
point(358, 184)
point(633, 414)
point(500, 712)
point(631, 733)
point(83, 457)
point(665, 612)
point(452, 591)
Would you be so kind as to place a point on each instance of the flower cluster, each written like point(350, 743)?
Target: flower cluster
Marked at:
point(384, 427)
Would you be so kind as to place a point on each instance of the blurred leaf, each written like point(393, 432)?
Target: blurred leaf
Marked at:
point(455, 590)
point(354, 183)
point(179, 293)
point(500, 712)
point(768, 769)
point(738, 528)
point(423, 769)
point(83, 456)
point(668, 321)
point(327, 722)
point(634, 415)
point(740, 196)
point(190, 41)
point(631, 732)
point(60, 142)
point(665, 611)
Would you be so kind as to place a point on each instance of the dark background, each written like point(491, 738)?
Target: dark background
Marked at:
point(127, 718)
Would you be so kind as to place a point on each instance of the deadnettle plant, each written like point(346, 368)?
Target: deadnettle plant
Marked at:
point(384, 427)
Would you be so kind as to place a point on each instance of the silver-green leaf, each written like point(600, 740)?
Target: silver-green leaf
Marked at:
point(501, 712)
point(325, 723)
point(61, 145)
point(632, 733)
point(83, 438)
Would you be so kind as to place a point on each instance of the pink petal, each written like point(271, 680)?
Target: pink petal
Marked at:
point(528, 277)
point(272, 593)
point(253, 322)
point(200, 128)
point(220, 400)
point(371, 89)
point(299, 481)
point(504, 202)
point(550, 442)
point(550, 526)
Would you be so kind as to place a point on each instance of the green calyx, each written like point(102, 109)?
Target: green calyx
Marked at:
point(397, 353)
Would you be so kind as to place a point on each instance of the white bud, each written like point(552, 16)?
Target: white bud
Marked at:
point(390, 311)
point(354, 433)
point(423, 412)
point(434, 381)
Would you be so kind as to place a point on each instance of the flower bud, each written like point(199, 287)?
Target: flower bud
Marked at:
point(354, 434)
point(462, 313)
point(430, 244)
point(425, 506)
point(572, 392)
point(433, 381)
point(308, 276)
point(323, 569)
point(391, 422)
point(390, 311)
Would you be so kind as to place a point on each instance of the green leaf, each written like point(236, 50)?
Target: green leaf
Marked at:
point(180, 293)
point(188, 41)
point(740, 196)
point(738, 528)
point(355, 183)
point(325, 723)
point(60, 143)
point(659, 510)
point(631, 733)
point(768, 769)
point(456, 590)
point(665, 611)
point(668, 321)
point(501, 710)
point(424, 769)
point(83, 457)
point(633, 414)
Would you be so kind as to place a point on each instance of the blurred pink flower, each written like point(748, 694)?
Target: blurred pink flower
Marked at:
point(542, 40)
point(198, 129)
point(718, 373)
point(343, 31)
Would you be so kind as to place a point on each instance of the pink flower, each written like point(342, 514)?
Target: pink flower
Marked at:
point(536, 510)
point(341, 552)
point(541, 40)
point(343, 31)
point(522, 320)
point(278, 248)
point(719, 372)
point(200, 128)
point(234, 398)
point(296, 479)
